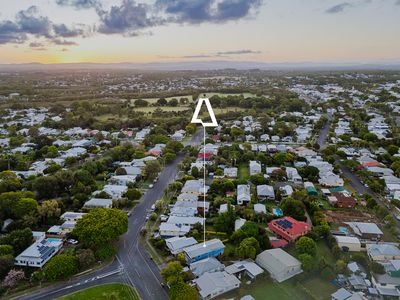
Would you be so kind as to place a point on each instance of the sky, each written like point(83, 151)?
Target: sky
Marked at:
point(139, 31)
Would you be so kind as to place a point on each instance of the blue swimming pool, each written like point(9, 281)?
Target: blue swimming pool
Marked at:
point(54, 240)
point(277, 212)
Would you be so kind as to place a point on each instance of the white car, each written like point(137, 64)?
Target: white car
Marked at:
point(150, 186)
point(72, 241)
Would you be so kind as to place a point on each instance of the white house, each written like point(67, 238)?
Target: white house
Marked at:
point(279, 264)
point(243, 194)
point(211, 285)
point(255, 167)
point(176, 244)
point(39, 253)
point(230, 172)
point(97, 202)
point(350, 243)
point(171, 230)
point(265, 192)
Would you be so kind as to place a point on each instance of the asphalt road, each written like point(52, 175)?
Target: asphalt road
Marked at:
point(133, 265)
point(347, 173)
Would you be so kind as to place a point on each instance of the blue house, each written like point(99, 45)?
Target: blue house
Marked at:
point(211, 248)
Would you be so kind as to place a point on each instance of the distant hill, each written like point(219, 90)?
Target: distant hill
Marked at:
point(206, 65)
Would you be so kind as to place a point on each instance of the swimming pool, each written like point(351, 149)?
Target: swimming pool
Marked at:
point(277, 212)
point(54, 240)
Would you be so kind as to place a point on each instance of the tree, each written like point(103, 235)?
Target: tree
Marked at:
point(20, 239)
point(225, 222)
point(6, 264)
point(306, 245)
point(309, 172)
point(191, 128)
point(101, 226)
point(49, 211)
point(46, 187)
point(25, 206)
point(162, 102)
point(293, 208)
point(9, 182)
point(133, 194)
point(12, 278)
point(152, 169)
point(183, 291)
point(376, 267)
point(341, 267)
point(60, 266)
point(173, 102)
point(173, 273)
point(85, 258)
point(307, 262)
point(141, 103)
point(248, 248)
point(195, 172)
point(6, 250)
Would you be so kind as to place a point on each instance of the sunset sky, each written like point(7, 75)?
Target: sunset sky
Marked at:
point(64, 31)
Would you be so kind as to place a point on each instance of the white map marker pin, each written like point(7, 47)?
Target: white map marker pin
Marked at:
point(195, 118)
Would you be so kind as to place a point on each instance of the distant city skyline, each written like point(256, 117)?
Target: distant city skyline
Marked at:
point(104, 31)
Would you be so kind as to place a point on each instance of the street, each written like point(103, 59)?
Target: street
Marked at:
point(132, 265)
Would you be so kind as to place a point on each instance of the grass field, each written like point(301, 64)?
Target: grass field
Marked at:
point(105, 292)
point(243, 172)
point(154, 100)
point(151, 109)
point(300, 287)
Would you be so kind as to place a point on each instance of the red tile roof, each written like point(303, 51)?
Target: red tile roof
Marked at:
point(289, 228)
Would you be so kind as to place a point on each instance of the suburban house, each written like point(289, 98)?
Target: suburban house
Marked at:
point(260, 208)
point(289, 228)
point(39, 253)
point(245, 267)
point(279, 264)
point(265, 192)
point(255, 167)
point(350, 243)
point(230, 172)
point(310, 188)
point(210, 264)
point(383, 252)
point(198, 252)
point(195, 187)
point(176, 244)
point(293, 175)
point(243, 194)
point(366, 230)
point(98, 202)
point(171, 230)
point(342, 200)
point(211, 285)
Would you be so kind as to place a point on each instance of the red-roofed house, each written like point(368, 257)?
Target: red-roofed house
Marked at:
point(289, 228)
point(205, 156)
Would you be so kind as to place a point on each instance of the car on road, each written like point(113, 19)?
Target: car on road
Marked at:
point(128, 213)
point(151, 186)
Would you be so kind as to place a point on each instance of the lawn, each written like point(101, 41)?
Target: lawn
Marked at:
point(104, 292)
point(151, 109)
point(243, 172)
point(300, 287)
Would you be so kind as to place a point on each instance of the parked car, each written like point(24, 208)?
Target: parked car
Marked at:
point(72, 241)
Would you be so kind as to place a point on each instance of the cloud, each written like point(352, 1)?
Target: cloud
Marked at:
point(200, 11)
point(35, 45)
point(238, 52)
point(127, 19)
point(62, 42)
point(29, 22)
point(79, 4)
point(338, 8)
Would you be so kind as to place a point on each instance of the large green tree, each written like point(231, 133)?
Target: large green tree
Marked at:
point(60, 266)
point(101, 226)
point(306, 245)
